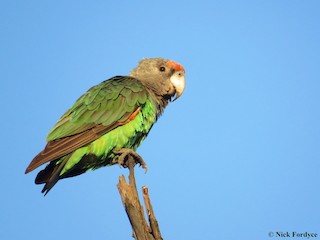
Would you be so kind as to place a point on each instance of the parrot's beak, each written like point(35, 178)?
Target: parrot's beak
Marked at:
point(178, 80)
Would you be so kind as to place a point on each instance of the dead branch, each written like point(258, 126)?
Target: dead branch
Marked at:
point(142, 230)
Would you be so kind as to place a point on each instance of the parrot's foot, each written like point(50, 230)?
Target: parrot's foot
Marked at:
point(124, 156)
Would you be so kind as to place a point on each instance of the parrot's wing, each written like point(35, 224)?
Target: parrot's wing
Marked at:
point(104, 107)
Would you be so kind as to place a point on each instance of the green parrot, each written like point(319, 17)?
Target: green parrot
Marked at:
point(108, 122)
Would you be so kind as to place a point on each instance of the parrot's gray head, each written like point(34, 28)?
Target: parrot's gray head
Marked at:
point(164, 77)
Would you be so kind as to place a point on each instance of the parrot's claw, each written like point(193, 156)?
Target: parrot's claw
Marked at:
point(124, 153)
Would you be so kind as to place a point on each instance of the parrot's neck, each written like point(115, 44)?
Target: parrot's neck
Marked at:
point(160, 102)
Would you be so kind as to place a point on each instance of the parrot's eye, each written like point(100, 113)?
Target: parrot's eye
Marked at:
point(162, 69)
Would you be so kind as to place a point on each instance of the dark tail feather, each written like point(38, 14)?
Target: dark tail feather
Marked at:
point(45, 174)
point(50, 175)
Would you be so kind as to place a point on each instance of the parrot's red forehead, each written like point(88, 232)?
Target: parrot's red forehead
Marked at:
point(175, 66)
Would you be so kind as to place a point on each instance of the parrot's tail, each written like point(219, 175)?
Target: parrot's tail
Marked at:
point(51, 174)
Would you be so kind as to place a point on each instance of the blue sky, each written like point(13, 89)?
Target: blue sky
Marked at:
point(236, 157)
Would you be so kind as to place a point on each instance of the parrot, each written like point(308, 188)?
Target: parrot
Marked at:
point(107, 124)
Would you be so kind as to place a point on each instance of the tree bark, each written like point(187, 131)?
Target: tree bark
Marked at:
point(142, 230)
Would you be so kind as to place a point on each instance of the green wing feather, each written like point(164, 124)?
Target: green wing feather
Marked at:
point(101, 109)
point(103, 104)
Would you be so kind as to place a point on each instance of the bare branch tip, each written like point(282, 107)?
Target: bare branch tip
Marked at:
point(145, 190)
